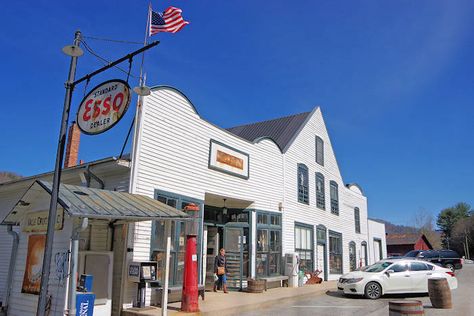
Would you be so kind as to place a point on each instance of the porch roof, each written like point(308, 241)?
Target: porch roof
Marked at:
point(78, 201)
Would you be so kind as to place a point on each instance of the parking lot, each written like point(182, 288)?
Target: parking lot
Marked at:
point(334, 303)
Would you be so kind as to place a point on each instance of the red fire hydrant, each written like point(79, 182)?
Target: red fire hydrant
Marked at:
point(189, 301)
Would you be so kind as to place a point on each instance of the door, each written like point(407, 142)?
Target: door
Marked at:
point(399, 280)
point(236, 249)
point(211, 251)
point(363, 255)
point(352, 256)
point(377, 248)
point(419, 273)
point(321, 260)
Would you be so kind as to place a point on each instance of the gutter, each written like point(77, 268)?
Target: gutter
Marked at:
point(16, 241)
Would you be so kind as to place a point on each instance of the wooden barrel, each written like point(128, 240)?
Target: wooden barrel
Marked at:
point(255, 286)
point(440, 293)
point(405, 308)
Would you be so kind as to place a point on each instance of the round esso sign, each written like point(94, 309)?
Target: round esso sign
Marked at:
point(103, 107)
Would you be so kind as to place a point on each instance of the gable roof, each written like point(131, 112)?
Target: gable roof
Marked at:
point(281, 130)
point(406, 239)
point(79, 201)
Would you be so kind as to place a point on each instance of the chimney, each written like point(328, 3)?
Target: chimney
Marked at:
point(72, 147)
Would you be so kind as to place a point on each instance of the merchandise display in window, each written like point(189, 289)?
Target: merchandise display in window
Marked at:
point(335, 252)
point(304, 247)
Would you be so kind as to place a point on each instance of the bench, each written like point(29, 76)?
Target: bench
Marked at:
point(175, 293)
point(275, 281)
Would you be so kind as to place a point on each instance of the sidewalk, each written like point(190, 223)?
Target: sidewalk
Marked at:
point(238, 302)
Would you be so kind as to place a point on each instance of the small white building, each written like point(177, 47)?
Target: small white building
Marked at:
point(264, 190)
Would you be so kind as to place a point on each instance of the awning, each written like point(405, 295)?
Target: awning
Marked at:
point(80, 201)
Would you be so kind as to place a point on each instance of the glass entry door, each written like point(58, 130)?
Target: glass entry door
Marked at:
point(236, 249)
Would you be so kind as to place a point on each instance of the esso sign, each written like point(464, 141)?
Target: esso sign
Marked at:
point(103, 106)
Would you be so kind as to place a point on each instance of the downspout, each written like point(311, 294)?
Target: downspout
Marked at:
point(16, 241)
point(71, 298)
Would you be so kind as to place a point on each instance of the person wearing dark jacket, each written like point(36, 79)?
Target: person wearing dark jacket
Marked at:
point(220, 269)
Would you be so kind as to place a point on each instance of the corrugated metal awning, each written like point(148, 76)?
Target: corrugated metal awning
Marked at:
point(80, 201)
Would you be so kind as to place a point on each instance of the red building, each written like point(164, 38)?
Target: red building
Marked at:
point(400, 244)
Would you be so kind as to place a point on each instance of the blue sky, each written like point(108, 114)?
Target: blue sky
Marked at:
point(394, 80)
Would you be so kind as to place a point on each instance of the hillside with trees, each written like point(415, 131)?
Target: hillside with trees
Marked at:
point(6, 176)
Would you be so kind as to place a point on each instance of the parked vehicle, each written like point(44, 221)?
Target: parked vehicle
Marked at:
point(395, 276)
point(447, 258)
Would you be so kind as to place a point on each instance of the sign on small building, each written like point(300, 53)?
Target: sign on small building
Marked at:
point(37, 222)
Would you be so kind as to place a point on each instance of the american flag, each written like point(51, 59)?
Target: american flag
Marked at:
point(168, 21)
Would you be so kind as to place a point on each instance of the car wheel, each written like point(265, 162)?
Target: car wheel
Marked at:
point(450, 267)
point(373, 290)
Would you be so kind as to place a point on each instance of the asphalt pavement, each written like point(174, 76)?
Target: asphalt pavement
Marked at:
point(333, 303)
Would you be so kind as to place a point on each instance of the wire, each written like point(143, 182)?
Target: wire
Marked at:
point(111, 40)
point(87, 47)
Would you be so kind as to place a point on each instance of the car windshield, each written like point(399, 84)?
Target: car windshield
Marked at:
point(378, 266)
point(412, 254)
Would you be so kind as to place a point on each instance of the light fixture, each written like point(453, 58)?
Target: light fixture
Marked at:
point(224, 209)
point(142, 91)
point(73, 50)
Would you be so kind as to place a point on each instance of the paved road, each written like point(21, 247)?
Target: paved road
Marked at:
point(335, 304)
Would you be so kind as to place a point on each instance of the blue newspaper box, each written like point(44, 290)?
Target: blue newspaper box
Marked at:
point(85, 304)
point(85, 282)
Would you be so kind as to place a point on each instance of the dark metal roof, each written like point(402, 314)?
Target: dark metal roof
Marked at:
point(402, 239)
point(80, 201)
point(281, 130)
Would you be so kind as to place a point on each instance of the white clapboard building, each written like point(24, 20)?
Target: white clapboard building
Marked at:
point(264, 190)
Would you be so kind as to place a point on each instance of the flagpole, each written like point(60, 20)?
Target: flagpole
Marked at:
point(145, 41)
point(137, 117)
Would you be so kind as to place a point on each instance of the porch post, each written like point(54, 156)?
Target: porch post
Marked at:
point(164, 293)
point(71, 308)
point(253, 243)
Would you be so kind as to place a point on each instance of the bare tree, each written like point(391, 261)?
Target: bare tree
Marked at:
point(424, 223)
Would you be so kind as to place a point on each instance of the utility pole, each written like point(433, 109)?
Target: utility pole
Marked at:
point(53, 207)
point(467, 244)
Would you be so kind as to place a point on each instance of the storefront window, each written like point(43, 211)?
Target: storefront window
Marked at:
point(335, 252)
point(268, 259)
point(178, 241)
point(262, 240)
point(304, 246)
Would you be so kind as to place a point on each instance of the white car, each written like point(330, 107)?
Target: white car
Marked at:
point(394, 276)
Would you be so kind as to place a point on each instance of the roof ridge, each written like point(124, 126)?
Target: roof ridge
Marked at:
point(270, 120)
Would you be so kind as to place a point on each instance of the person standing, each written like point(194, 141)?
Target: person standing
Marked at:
point(220, 269)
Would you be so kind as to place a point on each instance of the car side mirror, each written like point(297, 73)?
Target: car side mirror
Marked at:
point(388, 272)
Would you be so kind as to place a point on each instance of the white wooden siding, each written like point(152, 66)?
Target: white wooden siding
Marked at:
point(25, 304)
point(114, 179)
point(302, 150)
point(376, 231)
point(174, 153)
point(5, 250)
point(173, 156)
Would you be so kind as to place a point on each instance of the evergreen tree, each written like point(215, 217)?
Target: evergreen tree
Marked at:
point(448, 218)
